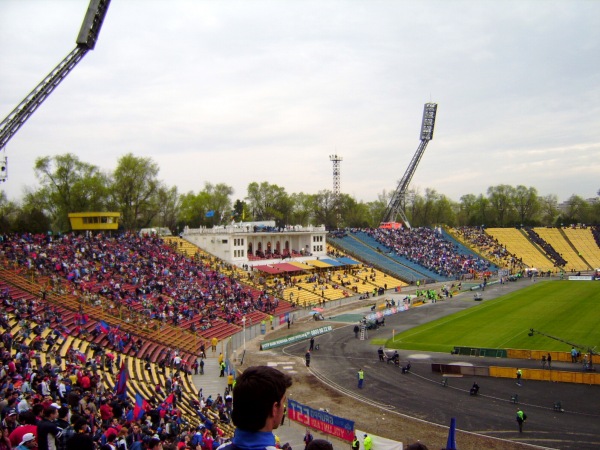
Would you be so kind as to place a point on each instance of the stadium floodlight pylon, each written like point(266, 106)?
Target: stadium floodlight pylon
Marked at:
point(86, 41)
point(394, 208)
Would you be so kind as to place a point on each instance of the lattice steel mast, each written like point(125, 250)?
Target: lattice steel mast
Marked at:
point(336, 160)
point(86, 41)
point(395, 206)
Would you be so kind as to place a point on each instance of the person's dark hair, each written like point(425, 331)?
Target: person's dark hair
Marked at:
point(417, 446)
point(319, 444)
point(153, 443)
point(80, 424)
point(37, 409)
point(27, 418)
point(49, 411)
point(255, 392)
point(63, 411)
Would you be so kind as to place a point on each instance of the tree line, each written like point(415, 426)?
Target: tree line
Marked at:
point(67, 184)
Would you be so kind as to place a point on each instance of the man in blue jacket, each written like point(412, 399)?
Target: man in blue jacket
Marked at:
point(259, 397)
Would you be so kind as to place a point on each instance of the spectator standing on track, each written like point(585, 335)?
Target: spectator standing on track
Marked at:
point(355, 443)
point(519, 374)
point(368, 442)
point(361, 379)
point(543, 361)
point(312, 344)
point(308, 438)
point(213, 344)
point(549, 359)
point(521, 417)
point(307, 358)
point(356, 330)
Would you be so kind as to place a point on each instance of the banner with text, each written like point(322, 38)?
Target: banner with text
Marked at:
point(295, 337)
point(321, 420)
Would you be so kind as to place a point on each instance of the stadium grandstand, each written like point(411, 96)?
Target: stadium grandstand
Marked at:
point(133, 313)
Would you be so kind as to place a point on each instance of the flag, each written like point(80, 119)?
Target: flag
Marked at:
point(121, 386)
point(81, 357)
point(451, 444)
point(210, 213)
point(140, 407)
point(104, 327)
point(169, 399)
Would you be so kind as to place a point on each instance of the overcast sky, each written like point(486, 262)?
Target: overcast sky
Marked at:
point(236, 92)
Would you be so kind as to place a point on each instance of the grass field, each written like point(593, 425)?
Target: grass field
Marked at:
point(566, 310)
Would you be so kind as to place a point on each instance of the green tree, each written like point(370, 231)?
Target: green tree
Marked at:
point(193, 209)
point(32, 221)
point(444, 211)
point(467, 210)
point(219, 201)
point(269, 202)
point(168, 207)
point(577, 211)
point(134, 191)
point(549, 211)
point(240, 211)
point(354, 214)
point(8, 214)
point(324, 210)
point(500, 202)
point(484, 213)
point(377, 208)
point(69, 185)
point(526, 203)
point(302, 208)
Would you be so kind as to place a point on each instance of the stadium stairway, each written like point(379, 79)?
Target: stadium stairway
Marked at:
point(210, 383)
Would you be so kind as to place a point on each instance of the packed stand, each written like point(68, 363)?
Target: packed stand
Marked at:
point(476, 237)
point(427, 247)
point(134, 271)
point(53, 402)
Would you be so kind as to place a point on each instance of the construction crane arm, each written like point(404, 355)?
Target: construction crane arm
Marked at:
point(11, 124)
point(86, 41)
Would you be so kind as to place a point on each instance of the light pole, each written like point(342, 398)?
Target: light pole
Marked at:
point(244, 327)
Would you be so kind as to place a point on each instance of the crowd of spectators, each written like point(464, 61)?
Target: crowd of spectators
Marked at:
point(550, 251)
point(489, 246)
point(138, 272)
point(428, 248)
point(62, 403)
point(596, 234)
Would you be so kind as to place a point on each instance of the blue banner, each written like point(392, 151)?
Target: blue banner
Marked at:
point(321, 420)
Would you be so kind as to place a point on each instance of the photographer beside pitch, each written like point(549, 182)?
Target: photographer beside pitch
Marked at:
point(259, 398)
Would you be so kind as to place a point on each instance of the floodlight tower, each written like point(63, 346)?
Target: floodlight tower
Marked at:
point(395, 206)
point(86, 41)
point(336, 160)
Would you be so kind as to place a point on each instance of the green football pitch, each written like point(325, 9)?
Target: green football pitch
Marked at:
point(568, 310)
